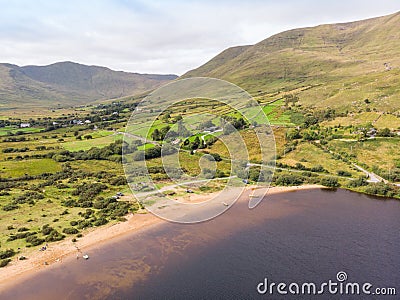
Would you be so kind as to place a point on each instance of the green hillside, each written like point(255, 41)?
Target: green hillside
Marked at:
point(337, 65)
point(67, 83)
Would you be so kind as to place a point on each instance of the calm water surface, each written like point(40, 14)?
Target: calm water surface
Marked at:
point(302, 236)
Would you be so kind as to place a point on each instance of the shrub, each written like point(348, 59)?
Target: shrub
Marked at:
point(343, 173)
point(4, 262)
point(54, 236)
point(330, 182)
point(318, 168)
point(46, 229)
point(34, 240)
point(361, 181)
point(7, 253)
point(380, 189)
point(289, 179)
point(10, 206)
point(100, 221)
point(70, 230)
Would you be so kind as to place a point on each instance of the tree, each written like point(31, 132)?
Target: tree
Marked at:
point(293, 134)
point(155, 135)
point(195, 144)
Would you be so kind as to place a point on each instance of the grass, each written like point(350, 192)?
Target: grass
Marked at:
point(377, 119)
point(380, 152)
point(95, 142)
point(311, 156)
point(276, 114)
point(30, 167)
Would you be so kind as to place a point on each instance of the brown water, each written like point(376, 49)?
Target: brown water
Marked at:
point(293, 237)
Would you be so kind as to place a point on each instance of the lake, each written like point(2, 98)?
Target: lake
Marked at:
point(295, 237)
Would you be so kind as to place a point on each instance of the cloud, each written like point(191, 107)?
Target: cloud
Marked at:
point(156, 36)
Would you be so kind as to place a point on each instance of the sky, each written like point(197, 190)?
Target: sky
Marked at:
point(163, 37)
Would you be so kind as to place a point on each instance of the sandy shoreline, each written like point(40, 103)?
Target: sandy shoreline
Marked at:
point(59, 251)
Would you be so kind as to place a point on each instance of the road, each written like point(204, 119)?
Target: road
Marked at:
point(372, 176)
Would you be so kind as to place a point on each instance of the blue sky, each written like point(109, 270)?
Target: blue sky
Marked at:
point(157, 36)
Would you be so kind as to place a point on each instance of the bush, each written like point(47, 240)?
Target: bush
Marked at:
point(100, 221)
point(216, 156)
point(318, 169)
point(34, 240)
point(70, 230)
point(54, 236)
point(343, 173)
point(22, 229)
point(4, 262)
point(330, 182)
point(7, 253)
point(138, 156)
point(380, 189)
point(46, 229)
point(10, 206)
point(361, 181)
point(289, 179)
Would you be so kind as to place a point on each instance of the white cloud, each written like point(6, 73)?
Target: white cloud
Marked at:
point(156, 36)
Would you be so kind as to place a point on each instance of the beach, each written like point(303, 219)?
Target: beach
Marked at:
point(59, 252)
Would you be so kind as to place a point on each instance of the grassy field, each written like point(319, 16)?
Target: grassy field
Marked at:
point(378, 120)
point(95, 142)
point(12, 130)
point(311, 156)
point(30, 167)
point(381, 152)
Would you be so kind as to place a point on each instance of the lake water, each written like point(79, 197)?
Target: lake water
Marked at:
point(302, 236)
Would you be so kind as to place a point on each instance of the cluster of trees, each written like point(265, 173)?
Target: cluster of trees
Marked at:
point(382, 189)
point(392, 174)
point(300, 166)
point(154, 152)
point(101, 211)
point(159, 135)
point(197, 143)
point(254, 173)
point(297, 179)
point(230, 123)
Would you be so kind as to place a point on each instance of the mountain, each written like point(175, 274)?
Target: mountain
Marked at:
point(68, 83)
point(335, 65)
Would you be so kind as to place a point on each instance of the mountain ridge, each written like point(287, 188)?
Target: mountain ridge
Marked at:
point(69, 83)
point(327, 58)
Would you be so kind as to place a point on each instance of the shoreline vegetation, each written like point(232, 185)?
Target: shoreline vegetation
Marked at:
point(57, 253)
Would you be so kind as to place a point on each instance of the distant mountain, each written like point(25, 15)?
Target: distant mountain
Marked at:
point(68, 83)
point(336, 65)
